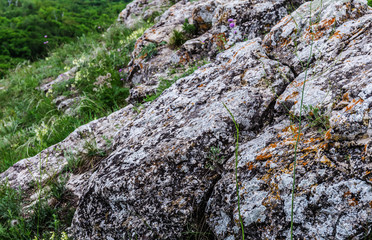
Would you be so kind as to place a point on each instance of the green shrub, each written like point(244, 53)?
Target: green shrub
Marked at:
point(370, 3)
point(189, 29)
point(149, 51)
point(177, 39)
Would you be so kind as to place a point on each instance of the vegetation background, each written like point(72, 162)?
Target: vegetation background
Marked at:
point(30, 28)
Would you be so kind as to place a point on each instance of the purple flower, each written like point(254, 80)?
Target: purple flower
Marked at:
point(235, 32)
point(120, 70)
point(99, 27)
point(122, 79)
point(232, 25)
point(45, 36)
point(46, 42)
point(230, 20)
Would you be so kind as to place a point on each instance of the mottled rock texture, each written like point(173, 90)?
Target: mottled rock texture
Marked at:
point(157, 180)
point(51, 161)
point(251, 19)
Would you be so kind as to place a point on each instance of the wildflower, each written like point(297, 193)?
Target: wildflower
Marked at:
point(45, 36)
point(99, 27)
point(122, 79)
point(120, 70)
point(235, 32)
point(232, 25)
point(230, 20)
point(46, 42)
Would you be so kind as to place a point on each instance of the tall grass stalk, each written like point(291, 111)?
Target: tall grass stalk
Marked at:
point(236, 167)
point(300, 125)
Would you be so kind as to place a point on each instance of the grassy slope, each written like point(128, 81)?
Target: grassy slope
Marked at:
point(30, 121)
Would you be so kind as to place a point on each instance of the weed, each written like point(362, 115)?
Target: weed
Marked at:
point(221, 42)
point(149, 51)
point(316, 118)
point(153, 16)
point(177, 39)
point(138, 108)
point(189, 29)
point(215, 160)
point(300, 127)
point(57, 187)
point(236, 168)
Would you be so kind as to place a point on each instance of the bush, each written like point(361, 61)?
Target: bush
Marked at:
point(177, 39)
point(189, 29)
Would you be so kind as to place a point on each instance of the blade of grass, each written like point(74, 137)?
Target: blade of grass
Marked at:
point(300, 126)
point(236, 167)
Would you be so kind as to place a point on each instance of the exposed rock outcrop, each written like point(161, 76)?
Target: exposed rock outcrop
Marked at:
point(163, 172)
point(214, 34)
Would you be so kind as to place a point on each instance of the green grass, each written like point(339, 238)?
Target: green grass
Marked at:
point(236, 168)
point(41, 220)
point(31, 122)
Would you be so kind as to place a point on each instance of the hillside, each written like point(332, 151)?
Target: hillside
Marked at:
point(199, 120)
point(31, 28)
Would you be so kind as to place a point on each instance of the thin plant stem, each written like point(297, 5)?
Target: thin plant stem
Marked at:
point(300, 126)
point(236, 167)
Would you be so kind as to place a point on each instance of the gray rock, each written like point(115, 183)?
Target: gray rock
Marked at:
point(252, 18)
point(61, 78)
point(157, 180)
point(157, 175)
point(51, 161)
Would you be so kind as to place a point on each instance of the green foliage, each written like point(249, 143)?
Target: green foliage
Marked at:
point(370, 3)
point(180, 37)
point(30, 121)
point(236, 168)
point(189, 29)
point(149, 51)
point(316, 118)
point(215, 160)
point(177, 39)
point(57, 187)
point(39, 220)
point(73, 162)
point(93, 150)
point(152, 17)
point(30, 28)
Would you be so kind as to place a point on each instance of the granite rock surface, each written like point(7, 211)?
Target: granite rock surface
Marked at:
point(170, 169)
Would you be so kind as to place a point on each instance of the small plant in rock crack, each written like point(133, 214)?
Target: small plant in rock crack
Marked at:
point(93, 150)
point(215, 160)
point(316, 118)
point(149, 51)
point(177, 39)
point(73, 162)
point(189, 29)
point(57, 187)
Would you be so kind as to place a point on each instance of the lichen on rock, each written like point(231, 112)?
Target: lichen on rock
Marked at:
point(155, 182)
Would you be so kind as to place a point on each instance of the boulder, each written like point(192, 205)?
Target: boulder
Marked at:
point(301, 95)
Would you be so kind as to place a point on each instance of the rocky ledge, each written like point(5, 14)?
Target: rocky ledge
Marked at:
point(284, 75)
